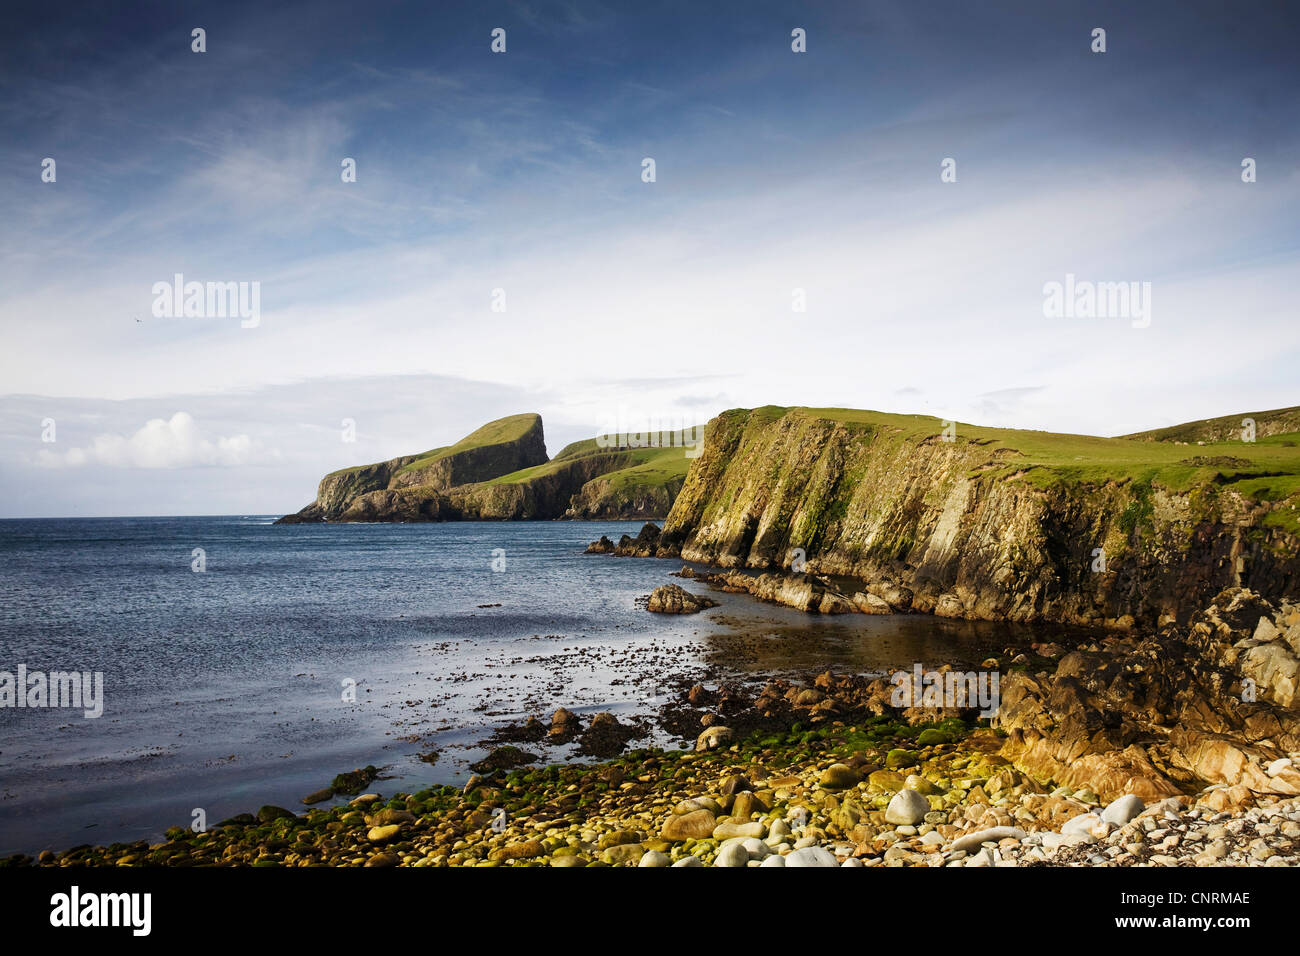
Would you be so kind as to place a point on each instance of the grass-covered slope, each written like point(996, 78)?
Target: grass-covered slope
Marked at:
point(1229, 428)
point(501, 472)
point(588, 479)
point(409, 488)
point(505, 433)
point(995, 522)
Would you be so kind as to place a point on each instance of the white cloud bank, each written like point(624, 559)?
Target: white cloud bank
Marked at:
point(172, 443)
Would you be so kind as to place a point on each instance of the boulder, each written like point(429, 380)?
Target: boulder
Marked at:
point(746, 805)
point(564, 724)
point(839, 777)
point(696, 825)
point(389, 816)
point(698, 803)
point(732, 855)
point(527, 850)
point(891, 781)
point(971, 841)
point(605, 736)
point(624, 853)
point(949, 605)
point(869, 603)
point(832, 602)
point(906, 808)
point(811, 856)
point(270, 812)
point(1083, 823)
point(1123, 809)
point(897, 597)
point(672, 599)
point(729, 829)
point(713, 738)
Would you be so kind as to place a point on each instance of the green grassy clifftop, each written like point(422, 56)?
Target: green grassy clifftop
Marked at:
point(1229, 428)
point(994, 523)
point(501, 472)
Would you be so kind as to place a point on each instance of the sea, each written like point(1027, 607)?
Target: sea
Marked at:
point(246, 663)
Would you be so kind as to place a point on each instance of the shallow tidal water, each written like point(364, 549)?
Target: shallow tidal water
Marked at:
point(224, 689)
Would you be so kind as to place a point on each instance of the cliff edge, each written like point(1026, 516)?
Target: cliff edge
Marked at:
point(968, 521)
point(501, 472)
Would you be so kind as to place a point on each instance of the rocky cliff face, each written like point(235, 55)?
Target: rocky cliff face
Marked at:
point(477, 462)
point(501, 472)
point(601, 498)
point(410, 488)
point(1211, 703)
point(991, 524)
point(338, 490)
point(548, 494)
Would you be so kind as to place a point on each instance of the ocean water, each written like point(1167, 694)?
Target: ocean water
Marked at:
point(224, 688)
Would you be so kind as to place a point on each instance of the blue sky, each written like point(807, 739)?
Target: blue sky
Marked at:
point(625, 299)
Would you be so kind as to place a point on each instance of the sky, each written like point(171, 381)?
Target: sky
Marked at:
point(517, 179)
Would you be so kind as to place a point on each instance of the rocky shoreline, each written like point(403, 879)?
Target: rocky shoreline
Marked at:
point(875, 794)
point(1171, 746)
point(1118, 751)
point(801, 590)
point(1144, 711)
